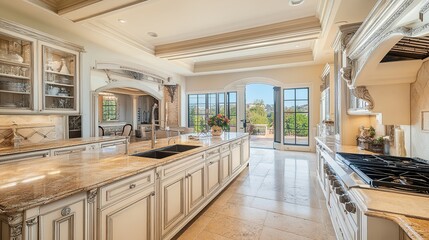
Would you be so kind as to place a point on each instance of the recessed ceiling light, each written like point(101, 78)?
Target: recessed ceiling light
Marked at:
point(122, 20)
point(152, 34)
point(295, 2)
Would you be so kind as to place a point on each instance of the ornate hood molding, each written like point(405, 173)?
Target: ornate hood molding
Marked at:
point(388, 20)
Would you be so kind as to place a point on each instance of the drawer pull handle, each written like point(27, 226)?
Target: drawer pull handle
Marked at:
point(152, 194)
point(132, 186)
point(210, 163)
point(65, 211)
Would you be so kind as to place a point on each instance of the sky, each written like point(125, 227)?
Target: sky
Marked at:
point(259, 91)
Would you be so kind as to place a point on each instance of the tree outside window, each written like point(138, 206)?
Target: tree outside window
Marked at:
point(110, 108)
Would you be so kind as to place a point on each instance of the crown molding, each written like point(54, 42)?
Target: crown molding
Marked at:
point(273, 34)
point(248, 63)
point(120, 36)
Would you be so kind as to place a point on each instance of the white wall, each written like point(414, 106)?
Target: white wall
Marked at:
point(302, 76)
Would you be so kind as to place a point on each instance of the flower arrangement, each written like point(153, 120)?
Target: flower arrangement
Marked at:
point(219, 120)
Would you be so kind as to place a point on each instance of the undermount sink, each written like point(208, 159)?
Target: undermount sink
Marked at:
point(166, 151)
point(179, 148)
point(155, 154)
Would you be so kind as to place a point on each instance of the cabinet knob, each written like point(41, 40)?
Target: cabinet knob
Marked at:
point(65, 211)
point(132, 186)
point(152, 194)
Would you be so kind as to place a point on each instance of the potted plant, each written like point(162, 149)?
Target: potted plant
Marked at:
point(218, 123)
point(377, 145)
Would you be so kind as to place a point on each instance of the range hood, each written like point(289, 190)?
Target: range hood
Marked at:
point(390, 45)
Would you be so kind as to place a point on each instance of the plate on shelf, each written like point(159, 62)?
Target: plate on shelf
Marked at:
point(63, 95)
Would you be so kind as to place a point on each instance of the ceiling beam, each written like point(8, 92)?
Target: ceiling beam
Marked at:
point(254, 62)
point(269, 35)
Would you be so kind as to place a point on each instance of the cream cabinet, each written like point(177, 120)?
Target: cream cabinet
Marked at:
point(225, 165)
point(16, 72)
point(235, 156)
point(213, 173)
point(245, 150)
point(173, 201)
point(60, 79)
point(64, 219)
point(132, 218)
point(127, 208)
point(37, 76)
point(195, 179)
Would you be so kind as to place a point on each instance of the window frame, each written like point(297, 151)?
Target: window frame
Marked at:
point(221, 98)
point(103, 106)
point(295, 100)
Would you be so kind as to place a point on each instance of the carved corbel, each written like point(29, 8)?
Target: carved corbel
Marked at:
point(346, 74)
point(92, 195)
point(15, 226)
point(172, 91)
point(362, 92)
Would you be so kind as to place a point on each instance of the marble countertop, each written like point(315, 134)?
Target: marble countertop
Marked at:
point(56, 144)
point(410, 212)
point(30, 183)
point(329, 144)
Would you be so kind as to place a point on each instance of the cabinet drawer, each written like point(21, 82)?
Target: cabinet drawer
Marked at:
point(126, 187)
point(68, 150)
point(212, 152)
point(25, 156)
point(235, 144)
point(180, 165)
point(224, 148)
point(113, 143)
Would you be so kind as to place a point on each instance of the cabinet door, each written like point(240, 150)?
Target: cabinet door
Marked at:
point(16, 72)
point(235, 158)
point(196, 181)
point(245, 150)
point(172, 201)
point(63, 222)
point(225, 166)
point(132, 218)
point(213, 174)
point(60, 79)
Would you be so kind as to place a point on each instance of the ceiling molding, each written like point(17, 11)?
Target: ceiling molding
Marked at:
point(83, 10)
point(127, 91)
point(273, 34)
point(248, 63)
point(122, 37)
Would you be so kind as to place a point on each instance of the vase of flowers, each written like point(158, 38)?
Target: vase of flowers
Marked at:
point(218, 123)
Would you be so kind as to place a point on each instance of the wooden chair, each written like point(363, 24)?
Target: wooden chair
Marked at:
point(127, 129)
point(100, 131)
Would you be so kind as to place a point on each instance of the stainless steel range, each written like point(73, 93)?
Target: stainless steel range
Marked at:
point(390, 173)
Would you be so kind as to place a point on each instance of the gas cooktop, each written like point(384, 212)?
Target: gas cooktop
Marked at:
point(396, 173)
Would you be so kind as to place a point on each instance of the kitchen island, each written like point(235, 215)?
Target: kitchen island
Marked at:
point(369, 213)
point(80, 193)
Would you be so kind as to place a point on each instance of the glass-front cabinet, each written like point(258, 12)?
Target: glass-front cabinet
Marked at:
point(39, 74)
point(59, 78)
point(16, 73)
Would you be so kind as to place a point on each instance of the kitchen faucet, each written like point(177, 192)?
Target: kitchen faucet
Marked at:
point(153, 133)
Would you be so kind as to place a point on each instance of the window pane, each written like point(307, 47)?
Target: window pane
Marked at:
point(201, 109)
point(289, 106)
point(302, 93)
point(302, 106)
point(289, 119)
point(232, 97)
point(302, 120)
point(201, 98)
point(289, 94)
point(302, 136)
point(289, 136)
point(193, 99)
point(221, 98)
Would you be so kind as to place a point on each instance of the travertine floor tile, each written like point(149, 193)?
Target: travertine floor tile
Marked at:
point(204, 235)
point(275, 234)
point(234, 228)
point(296, 226)
point(244, 213)
point(293, 210)
point(277, 197)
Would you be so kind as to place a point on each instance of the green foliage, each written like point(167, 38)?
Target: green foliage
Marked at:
point(257, 113)
point(219, 120)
